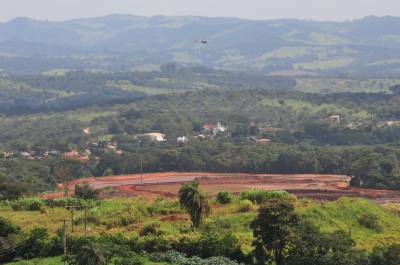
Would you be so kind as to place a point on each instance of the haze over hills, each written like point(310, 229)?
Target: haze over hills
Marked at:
point(124, 42)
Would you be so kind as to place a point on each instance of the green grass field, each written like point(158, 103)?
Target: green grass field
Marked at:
point(345, 214)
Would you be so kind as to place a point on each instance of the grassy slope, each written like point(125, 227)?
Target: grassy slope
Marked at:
point(329, 216)
point(345, 213)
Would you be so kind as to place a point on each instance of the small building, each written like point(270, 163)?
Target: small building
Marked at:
point(87, 131)
point(200, 137)
point(391, 123)
point(74, 155)
point(153, 137)
point(52, 153)
point(214, 129)
point(263, 141)
point(26, 155)
point(334, 119)
point(182, 140)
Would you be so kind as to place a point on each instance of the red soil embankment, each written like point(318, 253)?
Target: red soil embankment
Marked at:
point(167, 184)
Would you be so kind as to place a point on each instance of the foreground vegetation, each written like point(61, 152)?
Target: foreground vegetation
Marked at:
point(135, 225)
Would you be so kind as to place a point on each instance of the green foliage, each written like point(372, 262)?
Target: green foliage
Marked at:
point(245, 206)
point(345, 214)
point(119, 212)
point(152, 228)
point(28, 204)
point(310, 246)
point(93, 254)
point(272, 229)
point(388, 255)
point(85, 192)
point(224, 197)
point(181, 259)
point(164, 207)
point(7, 228)
point(262, 196)
point(194, 201)
point(371, 221)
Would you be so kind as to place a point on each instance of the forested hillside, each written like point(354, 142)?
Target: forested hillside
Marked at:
point(195, 119)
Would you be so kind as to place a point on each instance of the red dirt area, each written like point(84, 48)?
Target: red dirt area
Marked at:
point(167, 184)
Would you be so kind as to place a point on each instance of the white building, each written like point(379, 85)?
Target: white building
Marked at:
point(182, 140)
point(154, 137)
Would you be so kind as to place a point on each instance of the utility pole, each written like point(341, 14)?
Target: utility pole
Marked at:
point(65, 242)
point(141, 170)
point(350, 232)
point(85, 219)
point(72, 210)
point(72, 219)
point(64, 239)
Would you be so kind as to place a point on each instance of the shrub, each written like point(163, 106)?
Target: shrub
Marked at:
point(260, 196)
point(181, 259)
point(62, 202)
point(387, 255)
point(129, 261)
point(85, 192)
point(224, 197)
point(151, 229)
point(7, 228)
point(28, 204)
point(370, 221)
point(164, 207)
point(245, 206)
point(118, 212)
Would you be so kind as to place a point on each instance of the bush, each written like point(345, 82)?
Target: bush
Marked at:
point(28, 204)
point(151, 229)
point(7, 228)
point(371, 221)
point(386, 255)
point(62, 202)
point(181, 259)
point(245, 206)
point(224, 197)
point(85, 192)
point(260, 196)
point(118, 212)
point(129, 261)
point(164, 207)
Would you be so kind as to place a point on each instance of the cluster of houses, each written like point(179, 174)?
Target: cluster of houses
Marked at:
point(31, 155)
point(209, 131)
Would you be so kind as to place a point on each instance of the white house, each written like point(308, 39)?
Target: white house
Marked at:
point(182, 140)
point(154, 137)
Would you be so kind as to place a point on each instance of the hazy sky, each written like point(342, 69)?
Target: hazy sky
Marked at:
point(253, 9)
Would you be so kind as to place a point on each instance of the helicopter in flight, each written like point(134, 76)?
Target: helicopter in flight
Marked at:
point(202, 41)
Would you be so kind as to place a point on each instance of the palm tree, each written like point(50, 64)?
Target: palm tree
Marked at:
point(93, 254)
point(194, 202)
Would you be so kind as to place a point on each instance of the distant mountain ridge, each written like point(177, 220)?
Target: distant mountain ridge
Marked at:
point(126, 41)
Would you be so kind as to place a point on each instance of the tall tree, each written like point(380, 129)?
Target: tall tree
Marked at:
point(273, 229)
point(194, 202)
